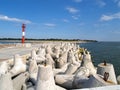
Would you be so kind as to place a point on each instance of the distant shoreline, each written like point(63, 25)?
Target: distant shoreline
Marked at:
point(17, 40)
point(39, 41)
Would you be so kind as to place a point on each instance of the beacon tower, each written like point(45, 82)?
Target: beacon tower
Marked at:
point(23, 33)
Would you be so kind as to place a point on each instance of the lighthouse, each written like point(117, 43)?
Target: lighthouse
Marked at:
point(23, 33)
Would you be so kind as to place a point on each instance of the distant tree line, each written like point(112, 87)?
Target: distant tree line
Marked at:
point(51, 39)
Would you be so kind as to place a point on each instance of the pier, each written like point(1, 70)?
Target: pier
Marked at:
point(53, 66)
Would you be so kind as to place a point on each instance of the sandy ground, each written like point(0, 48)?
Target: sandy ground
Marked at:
point(6, 45)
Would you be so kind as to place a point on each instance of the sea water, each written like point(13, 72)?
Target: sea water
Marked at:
point(108, 51)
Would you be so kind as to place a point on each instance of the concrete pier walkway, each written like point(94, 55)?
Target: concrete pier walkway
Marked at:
point(8, 52)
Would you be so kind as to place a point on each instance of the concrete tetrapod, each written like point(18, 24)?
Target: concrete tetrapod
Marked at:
point(71, 57)
point(6, 82)
point(48, 49)
point(3, 67)
point(39, 59)
point(41, 51)
point(64, 80)
point(19, 66)
point(86, 55)
point(33, 70)
point(31, 88)
point(87, 63)
point(60, 70)
point(92, 81)
point(118, 79)
point(79, 81)
point(55, 52)
point(71, 69)
point(20, 80)
point(41, 54)
point(45, 79)
point(49, 60)
point(24, 87)
point(82, 71)
point(59, 88)
point(102, 68)
point(62, 60)
point(111, 87)
point(33, 54)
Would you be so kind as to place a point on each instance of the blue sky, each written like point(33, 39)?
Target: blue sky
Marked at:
point(66, 19)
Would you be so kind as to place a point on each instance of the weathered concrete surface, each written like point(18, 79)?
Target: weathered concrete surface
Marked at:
point(45, 78)
point(118, 79)
point(6, 82)
point(109, 69)
point(20, 80)
point(81, 65)
point(113, 87)
point(64, 80)
point(19, 66)
point(8, 53)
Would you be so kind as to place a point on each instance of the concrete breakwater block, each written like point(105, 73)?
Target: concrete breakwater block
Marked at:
point(19, 66)
point(102, 68)
point(59, 88)
point(62, 60)
point(37, 57)
point(92, 81)
point(45, 78)
point(41, 54)
point(71, 58)
point(6, 82)
point(82, 71)
point(33, 54)
point(55, 66)
point(24, 87)
point(49, 60)
point(86, 55)
point(60, 70)
point(64, 81)
point(87, 63)
point(112, 87)
point(63, 56)
point(19, 81)
point(118, 79)
point(31, 88)
point(79, 81)
point(4, 66)
point(71, 69)
point(56, 51)
point(33, 70)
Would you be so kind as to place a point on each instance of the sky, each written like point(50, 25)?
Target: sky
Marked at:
point(61, 19)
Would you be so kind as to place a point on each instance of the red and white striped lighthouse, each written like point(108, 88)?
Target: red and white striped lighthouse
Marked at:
point(23, 33)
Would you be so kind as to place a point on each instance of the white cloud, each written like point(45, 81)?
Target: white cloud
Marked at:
point(65, 20)
point(6, 18)
point(50, 24)
point(110, 17)
point(75, 17)
point(118, 2)
point(106, 18)
point(101, 3)
point(72, 10)
point(78, 1)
